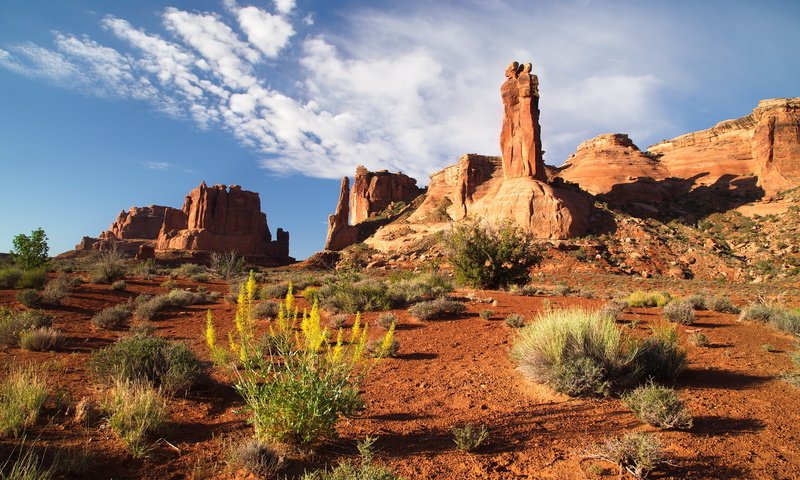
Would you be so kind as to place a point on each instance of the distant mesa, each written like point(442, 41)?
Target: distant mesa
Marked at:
point(216, 218)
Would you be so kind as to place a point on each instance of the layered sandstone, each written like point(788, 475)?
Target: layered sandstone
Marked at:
point(340, 233)
point(132, 229)
point(373, 192)
point(520, 136)
point(221, 218)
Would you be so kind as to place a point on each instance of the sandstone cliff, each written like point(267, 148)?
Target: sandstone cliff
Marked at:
point(340, 233)
point(373, 192)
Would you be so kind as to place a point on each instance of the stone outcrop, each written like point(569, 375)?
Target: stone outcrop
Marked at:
point(340, 233)
point(221, 218)
point(765, 144)
point(520, 137)
point(373, 192)
point(217, 218)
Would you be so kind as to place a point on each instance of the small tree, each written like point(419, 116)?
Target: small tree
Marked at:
point(30, 252)
point(492, 256)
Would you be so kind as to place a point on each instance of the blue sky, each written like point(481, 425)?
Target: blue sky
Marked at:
point(107, 105)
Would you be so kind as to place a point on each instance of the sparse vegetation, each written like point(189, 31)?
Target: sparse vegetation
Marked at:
point(679, 312)
point(436, 309)
point(721, 304)
point(30, 298)
point(697, 302)
point(119, 286)
point(170, 366)
point(658, 406)
point(469, 437)
point(698, 339)
point(779, 317)
point(226, 264)
point(386, 320)
point(637, 453)
point(515, 320)
point(112, 318)
point(613, 309)
point(659, 357)
point(268, 309)
point(643, 299)
point(109, 267)
point(486, 314)
point(491, 257)
point(41, 339)
point(24, 464)
point(55, 291)
point(426, 286)
point(365, 469)
point(13, 324)
point(22, 393)
point(256, 457)
point(352, 297)
point(135, 410)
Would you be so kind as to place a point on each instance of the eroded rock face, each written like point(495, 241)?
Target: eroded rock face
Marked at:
point(520, 137)
point(340, 233)
point(373, 192)
point(132, 229)
point(765, 144)
point(221, 218)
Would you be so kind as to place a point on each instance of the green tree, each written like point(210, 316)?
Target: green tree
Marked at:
point(30, 252)
point(491, 256)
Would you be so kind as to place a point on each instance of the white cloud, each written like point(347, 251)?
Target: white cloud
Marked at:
point(157, 165)
point(269, 33)
point(284, 6)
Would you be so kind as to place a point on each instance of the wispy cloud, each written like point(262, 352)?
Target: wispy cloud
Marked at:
point(158, 165)
point(404, 90)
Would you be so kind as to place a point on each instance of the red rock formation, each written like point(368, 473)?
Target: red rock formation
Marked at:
point(373, 192)
point(221, 218)
point(520, 137)
point(608, 160)
point(765, 143)
point(137, 223)
point(340, 234)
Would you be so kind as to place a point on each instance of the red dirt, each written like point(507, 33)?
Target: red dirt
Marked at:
point(448, 372)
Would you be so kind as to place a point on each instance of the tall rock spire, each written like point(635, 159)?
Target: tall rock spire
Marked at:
point(520, 137)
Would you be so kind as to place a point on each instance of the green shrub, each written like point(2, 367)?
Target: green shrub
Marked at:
point(30, 252)
point(486, 314)
point(200, 277)
point(659, 356)
point(426, 286)
point(256, 457)
point(721, 304)
point(698, 339)
point(268, 309)
point(273, 290)
point(386, 320)
point(515, 320)
point(56, 290)
point(469, 437)
point(679, 312)
point(147, 306)
point(169, 284)
point(119, 286)
point(109, 267)
point(337, 321)
point(658, 406)
point(698, 302)
point(9, 276)
point(171, 366)
point(365, 469)
point(188, 269)
point(779, 317)
point(41, 339)
point(182, 298)
point(22, 393)
point(643, 299)
point(226, 264)
point(787, 321)
point(30, 298)
point(637, 453)
point(758, 312)
point(35, 279)
point(112, 318)
point(491, 257)
point(436, 309)
point(300, 400)
point(363, 296)
point(12, 324)
point(562, 344)
point(135, 409)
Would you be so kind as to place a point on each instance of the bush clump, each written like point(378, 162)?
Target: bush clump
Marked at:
point(642, 299)
point(112, 318)
point(658, 406)
point(637, 453)
point(226, 264)
point(721, 304)
point(364, 469)
point(171, 366)
point(779, 317)
point(30, 298)
point(613, 310)
point(41, 339)
point(427, 286)
point(13, 324)
point(119, 286)
point(109, 267)
point(469, 437)
point(491, 257)
point(256, 457)
point(515, 320)
point(56, 290)
point(698, 339)
point(268, 309)
point(436, 309)
point(697, 301)
point(22, 393)
point(135, 410)
point(351, 297)
point(9, 276)
point(659, 357)
point(577, 352)
point(679, 312)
